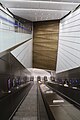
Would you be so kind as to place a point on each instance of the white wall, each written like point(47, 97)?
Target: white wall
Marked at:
point(69, 43)
point(12, 34)
point(8, 37)
point(23, 54)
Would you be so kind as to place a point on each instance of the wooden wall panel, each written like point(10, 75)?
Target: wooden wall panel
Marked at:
point(45, 42)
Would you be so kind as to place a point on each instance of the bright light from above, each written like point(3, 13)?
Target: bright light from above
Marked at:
point(24, 9)
point(43, 1)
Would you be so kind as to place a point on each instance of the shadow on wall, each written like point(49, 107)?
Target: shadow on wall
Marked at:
point(14, 85)
point(72, 76)
point(12, 73)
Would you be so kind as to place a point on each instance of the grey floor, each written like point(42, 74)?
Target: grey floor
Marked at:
point(28, 109)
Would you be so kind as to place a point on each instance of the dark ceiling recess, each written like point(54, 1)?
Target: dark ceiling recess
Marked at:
point(45, 44)
point(22, 20)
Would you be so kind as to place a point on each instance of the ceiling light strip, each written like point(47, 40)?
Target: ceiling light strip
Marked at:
point(46, 10)
point(31, 1)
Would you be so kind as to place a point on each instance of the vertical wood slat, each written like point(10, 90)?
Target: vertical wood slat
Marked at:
point(45, 42)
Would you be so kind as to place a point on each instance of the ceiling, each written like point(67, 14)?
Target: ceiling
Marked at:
point(40, 10)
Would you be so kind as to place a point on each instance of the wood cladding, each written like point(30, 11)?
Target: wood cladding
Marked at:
point(45, 42)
